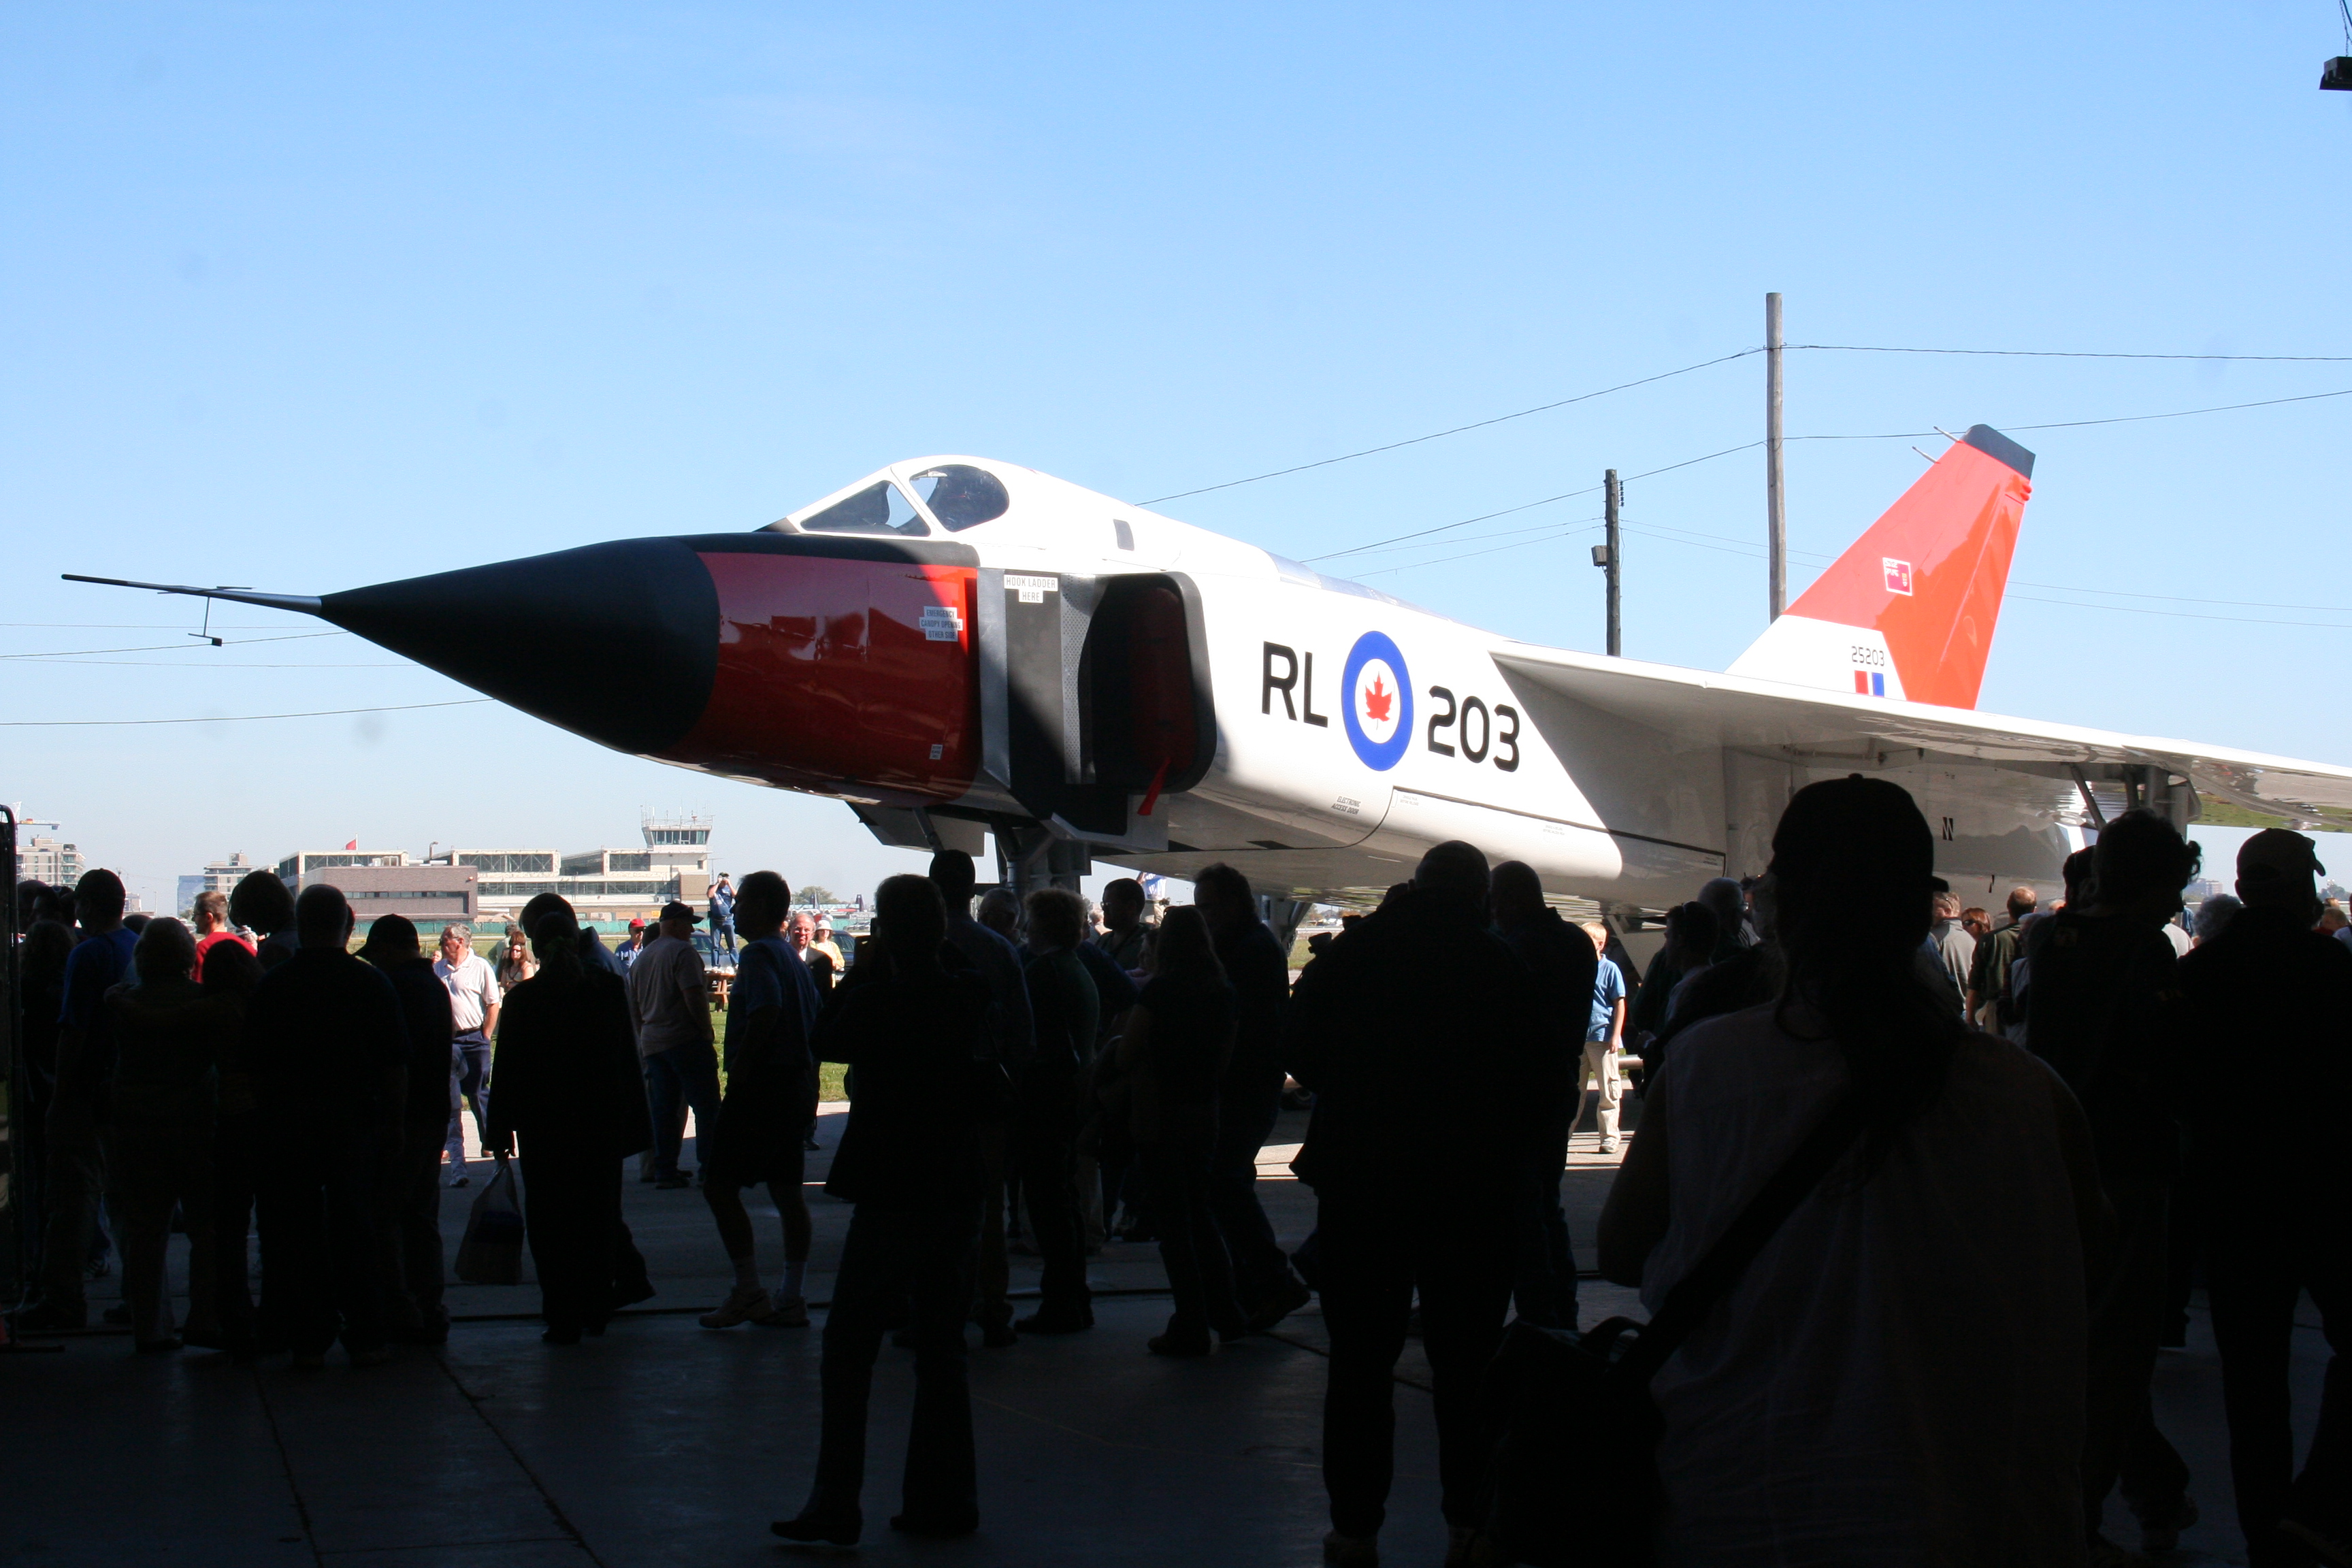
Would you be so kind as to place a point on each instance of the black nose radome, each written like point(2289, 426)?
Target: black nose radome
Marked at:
point(617, 642)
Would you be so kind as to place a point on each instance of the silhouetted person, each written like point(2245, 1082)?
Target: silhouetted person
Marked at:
point(2271, 1177)
point(630, 1283)
point(669, 992)
point(1563, 963)
point(1125, 932)
point(761, 1136)
point(1012, 1043)
point(914, 1032)
point(1748, 978)
point(265, 906)
point(409, 1190)
point(1053, 1094)
point(1897, 1377)
point(1000, 910)
point(41, 983)
point(168, 1035)
point(2104, 1009)
point(330, 1059)
point(1727, 900)
point(1171, 1060)
point(1695, 937)
point(80, 1119)
point(1421, 1037)
point(593, 953)
point(1115, 992)
point(569, 1096)
point(231, 971)
point(1251, 1097)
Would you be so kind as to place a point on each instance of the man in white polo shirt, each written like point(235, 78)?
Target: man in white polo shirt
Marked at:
point(474, 1009)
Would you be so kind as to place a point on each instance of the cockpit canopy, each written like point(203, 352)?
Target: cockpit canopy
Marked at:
point(956, 496)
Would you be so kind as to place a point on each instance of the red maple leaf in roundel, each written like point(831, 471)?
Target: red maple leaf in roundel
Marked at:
point(1377, 701)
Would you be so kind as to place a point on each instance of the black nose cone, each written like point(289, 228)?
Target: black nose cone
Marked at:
point(617, 642)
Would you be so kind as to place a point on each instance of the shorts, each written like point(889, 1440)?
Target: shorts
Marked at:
point(763, 1135)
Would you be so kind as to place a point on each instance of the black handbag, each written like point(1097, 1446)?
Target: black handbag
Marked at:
point(1573, 1480)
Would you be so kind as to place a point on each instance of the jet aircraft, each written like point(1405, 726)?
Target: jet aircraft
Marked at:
point(956, 645)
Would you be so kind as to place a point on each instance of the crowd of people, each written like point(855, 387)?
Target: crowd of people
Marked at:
point(1939, 1352)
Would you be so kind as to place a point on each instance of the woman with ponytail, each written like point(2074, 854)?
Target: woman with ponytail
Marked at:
point(1897, 1376)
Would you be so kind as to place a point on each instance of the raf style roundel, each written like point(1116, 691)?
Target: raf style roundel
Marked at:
point(1377, 710)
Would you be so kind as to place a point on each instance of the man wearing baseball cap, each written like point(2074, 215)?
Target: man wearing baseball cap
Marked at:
point(2273, 1171)
point(626, 953)
point(670, 993)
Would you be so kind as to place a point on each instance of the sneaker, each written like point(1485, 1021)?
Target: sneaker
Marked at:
point(672, 1184)
point(1177, 1344)
point(458, 1182)
point(374, 1356)
point(791, 1314)
point(97, 1268)
point(998, 1336)
point(2160, 1528)
point(117, 1315)
point(1351, 1551)
point(741, 1306)
point(1608, 1146)
point(1279, 1303)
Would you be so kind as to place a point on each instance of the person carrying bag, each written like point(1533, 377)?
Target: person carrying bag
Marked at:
point(1575, 1472)
point(492, 1253)
point(1865, 1233)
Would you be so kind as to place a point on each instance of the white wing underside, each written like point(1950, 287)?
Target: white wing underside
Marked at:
point(1742, 713)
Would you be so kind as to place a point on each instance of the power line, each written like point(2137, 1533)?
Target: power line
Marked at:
point(234, 717)
point(1569, 531)
point(206, 665)
point(190, 647)
point(1474, 538)
point(1726, 546)
point(2075, 353)
point(1488, 517)
point(2079, 424)
point(1456, 430)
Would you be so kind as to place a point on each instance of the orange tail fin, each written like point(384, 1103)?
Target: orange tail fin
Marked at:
point(1909, 611)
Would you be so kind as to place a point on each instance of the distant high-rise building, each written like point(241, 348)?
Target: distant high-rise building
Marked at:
point(47, 860)
point(220, 877)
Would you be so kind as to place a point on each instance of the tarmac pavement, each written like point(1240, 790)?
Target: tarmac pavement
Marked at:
point(666, 1443)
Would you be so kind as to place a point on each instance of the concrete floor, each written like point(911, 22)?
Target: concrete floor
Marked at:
point(666, 1443)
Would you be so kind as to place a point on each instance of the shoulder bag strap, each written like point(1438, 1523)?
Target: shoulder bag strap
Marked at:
point(1695, 1294)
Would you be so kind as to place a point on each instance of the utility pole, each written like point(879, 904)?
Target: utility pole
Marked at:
point(1608, 557)
point(1776, 491)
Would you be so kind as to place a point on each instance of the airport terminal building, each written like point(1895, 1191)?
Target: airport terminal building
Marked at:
point(487, 887)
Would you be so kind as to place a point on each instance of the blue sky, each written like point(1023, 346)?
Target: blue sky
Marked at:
point(308, 298)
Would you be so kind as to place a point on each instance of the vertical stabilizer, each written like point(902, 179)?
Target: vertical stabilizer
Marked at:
point(1909, 611)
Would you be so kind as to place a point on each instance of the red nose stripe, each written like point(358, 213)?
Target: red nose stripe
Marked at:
point(840, 673)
